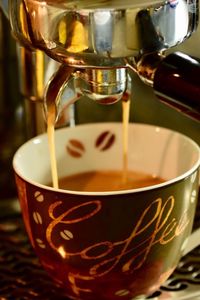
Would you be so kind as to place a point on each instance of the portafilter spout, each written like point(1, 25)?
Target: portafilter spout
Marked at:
point(104, 86)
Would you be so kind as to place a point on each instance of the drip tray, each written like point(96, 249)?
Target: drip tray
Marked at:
point(22, 278)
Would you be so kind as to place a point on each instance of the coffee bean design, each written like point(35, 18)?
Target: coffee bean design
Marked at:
point(122, 293)
point(40, 243)
point(66, 235)
point(75, 148)
point(38, 196)
point(37, 218)
point(193, 196)
point(105, 140)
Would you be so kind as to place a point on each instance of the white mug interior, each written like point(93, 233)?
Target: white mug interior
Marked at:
point(153, 150)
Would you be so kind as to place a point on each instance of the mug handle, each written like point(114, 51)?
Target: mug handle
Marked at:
point(193, 242)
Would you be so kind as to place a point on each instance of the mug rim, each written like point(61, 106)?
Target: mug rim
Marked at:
point(177, 179)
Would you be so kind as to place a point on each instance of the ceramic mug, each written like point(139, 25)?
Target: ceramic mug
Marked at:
point(113, 245)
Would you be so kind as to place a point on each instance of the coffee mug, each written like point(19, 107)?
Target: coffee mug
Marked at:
point(109, 244)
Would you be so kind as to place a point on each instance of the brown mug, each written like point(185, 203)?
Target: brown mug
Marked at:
point(109, 245)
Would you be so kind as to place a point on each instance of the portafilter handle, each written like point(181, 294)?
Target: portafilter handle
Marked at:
point(177, 83)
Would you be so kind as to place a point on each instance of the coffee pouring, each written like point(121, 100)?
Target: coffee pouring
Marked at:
point(99, 44)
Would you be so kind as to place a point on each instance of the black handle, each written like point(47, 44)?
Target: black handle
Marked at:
point(177, 83)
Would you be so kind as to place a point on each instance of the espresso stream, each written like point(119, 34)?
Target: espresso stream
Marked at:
point(51, 141)
point(99, 180)
point(125, 121)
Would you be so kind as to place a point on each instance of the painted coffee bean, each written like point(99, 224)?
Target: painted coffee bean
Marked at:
point(40, 243)
point(122, 293)
point(38, 196)
point(105, 140)
point(75, 148)
point(66, 235)
point(193, 196)
point(37, 218)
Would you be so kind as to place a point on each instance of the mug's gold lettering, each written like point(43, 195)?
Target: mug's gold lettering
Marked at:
point(104, 256)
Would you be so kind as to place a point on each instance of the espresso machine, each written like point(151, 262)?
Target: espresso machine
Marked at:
point(69, 50)
point(85, 57)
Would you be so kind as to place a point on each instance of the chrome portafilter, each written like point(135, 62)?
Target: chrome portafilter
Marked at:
point(99, 43)
point(104, 86)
